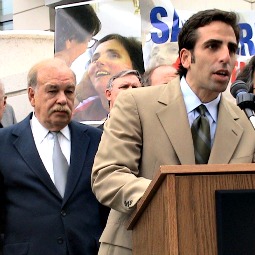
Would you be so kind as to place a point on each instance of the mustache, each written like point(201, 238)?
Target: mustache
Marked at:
point(60, 108)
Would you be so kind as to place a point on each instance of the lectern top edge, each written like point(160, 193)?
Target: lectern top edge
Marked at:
point(208, 168)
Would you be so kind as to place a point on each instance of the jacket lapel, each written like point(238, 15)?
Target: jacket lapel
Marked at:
point(79, 146)
point(227, 136)
point(25, 145)
point(173, 117)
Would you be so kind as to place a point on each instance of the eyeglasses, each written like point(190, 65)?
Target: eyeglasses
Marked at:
point(92, 42)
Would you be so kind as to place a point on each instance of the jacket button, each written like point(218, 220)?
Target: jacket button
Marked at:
point(63, 213)
point(60, 240)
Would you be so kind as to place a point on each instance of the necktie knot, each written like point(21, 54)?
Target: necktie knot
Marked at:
point(55, 134)
point(202, 109)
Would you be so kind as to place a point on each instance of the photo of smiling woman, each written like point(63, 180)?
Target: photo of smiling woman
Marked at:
point(112, 54)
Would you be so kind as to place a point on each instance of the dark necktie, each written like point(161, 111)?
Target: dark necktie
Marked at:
point(60, 166)
point(200, 130)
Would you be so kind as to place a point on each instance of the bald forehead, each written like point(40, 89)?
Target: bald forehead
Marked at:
point(54, 63)
point(46, 67)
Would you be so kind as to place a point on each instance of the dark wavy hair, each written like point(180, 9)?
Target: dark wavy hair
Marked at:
point(188, 35)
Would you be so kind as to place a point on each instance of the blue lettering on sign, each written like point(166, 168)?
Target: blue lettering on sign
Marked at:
point(175, 28)
point(156, 38)
point(246, 39)
point(163, 35)
point(246, 46)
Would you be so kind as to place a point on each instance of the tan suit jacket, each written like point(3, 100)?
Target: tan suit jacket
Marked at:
point(149, 127)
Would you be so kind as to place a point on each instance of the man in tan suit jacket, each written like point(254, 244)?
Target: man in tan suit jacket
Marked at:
point(150, 126)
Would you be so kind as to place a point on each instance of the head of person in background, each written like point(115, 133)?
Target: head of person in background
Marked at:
point(7, 114)
point(2, 102)
point(247, 74)
point(51, 86)
point(158, 75)
point(75, 27)
point(163, 54)
point(112, 54)
point(126, 79)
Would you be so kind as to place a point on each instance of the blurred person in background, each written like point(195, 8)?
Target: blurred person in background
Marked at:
point(7, 115)
point(7, 118)
point(247, 75)
point(158, 75)
point(124, 80)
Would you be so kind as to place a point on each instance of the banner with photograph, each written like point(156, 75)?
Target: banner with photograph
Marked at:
point(110, 21)
point(155, 24)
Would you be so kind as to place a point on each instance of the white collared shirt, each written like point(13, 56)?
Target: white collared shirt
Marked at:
point(44, 142)
point(192, 102)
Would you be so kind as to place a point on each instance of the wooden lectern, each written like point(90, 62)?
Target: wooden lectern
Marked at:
point(176, 215)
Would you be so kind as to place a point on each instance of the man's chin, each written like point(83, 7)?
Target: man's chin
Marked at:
point(61, 122)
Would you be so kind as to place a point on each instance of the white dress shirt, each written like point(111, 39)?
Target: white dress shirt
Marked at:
point(192, 102)
point(44, 142)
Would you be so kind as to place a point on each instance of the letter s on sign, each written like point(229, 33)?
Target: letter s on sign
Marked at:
point(156, 38)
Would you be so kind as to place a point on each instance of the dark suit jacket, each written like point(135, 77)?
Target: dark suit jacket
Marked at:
point(37, 221)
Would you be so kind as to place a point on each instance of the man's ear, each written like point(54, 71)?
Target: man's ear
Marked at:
point(31, 96)
point(108, 94)
point(185, 58)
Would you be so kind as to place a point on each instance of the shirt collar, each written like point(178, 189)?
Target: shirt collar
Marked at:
point(192, 101)
point(40, 132)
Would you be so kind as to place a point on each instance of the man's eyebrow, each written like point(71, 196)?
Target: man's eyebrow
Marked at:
point(55, 86)
point(51, 86)
point(213, 41)
point(71, 85)
point(232, 44)
point(220, 42)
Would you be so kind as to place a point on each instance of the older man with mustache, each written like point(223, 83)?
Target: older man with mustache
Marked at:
point(45, 207)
